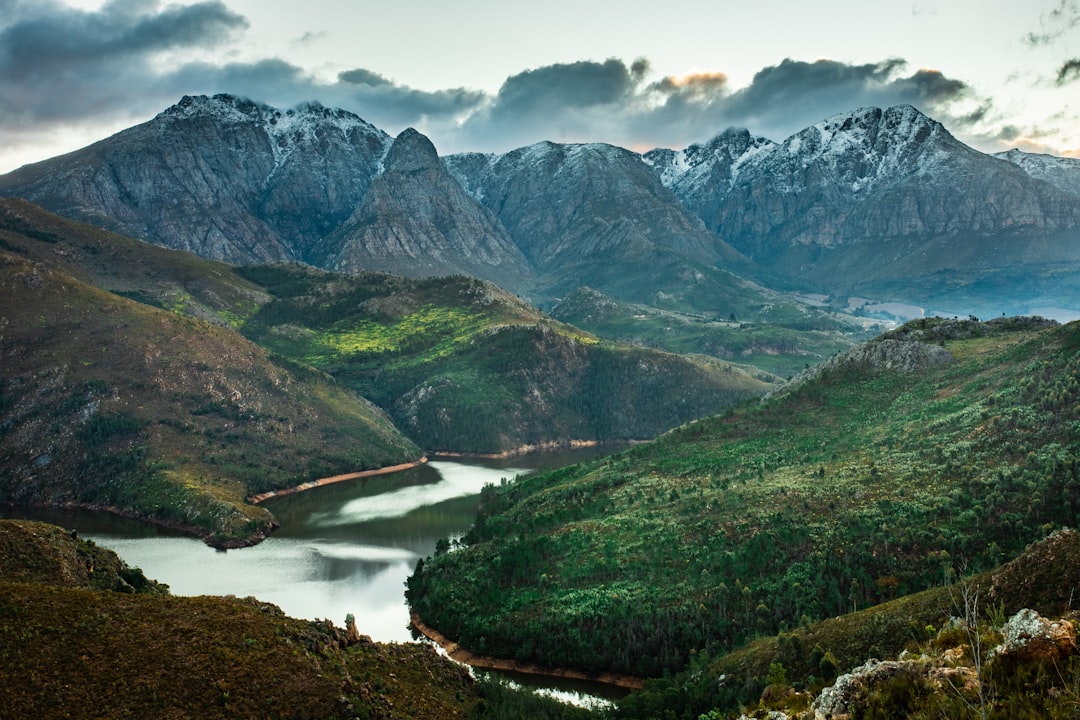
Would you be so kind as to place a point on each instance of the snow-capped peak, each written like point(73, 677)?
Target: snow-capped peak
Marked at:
point(1064, 173)
point(286, 129)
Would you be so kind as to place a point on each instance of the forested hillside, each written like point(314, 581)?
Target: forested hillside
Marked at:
point(938, 450)
point(463, 366)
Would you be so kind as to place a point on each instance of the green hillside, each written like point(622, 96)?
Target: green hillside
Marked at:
point(108, 402)
point(929, 630)
point(463, 366)
point(781, 337)
point(941, 449)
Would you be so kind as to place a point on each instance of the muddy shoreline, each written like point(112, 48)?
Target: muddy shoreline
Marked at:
point(462, 655)
point(256, 499)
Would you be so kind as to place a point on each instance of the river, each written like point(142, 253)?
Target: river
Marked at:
point(342, 548)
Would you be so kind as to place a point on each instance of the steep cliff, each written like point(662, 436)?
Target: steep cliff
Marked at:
point(417, 221)
point(223, 177)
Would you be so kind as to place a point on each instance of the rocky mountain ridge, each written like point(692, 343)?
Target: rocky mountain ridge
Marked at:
point(891, 181)
point(878, 202)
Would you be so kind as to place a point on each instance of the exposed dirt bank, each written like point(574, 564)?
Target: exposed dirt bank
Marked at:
point(462, 655)
point(256, 499)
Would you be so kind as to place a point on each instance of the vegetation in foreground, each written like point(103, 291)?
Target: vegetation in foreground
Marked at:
point(83, 635)
point(945, 633)
point(864, 483)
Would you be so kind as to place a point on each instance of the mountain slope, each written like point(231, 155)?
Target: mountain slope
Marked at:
point(875, 199)
point(781, 337)
point(881, 476)
point(223, 177)
point(415, 220)
point(108, 402)
point(1062, 173)
point(594, 215)
point(463, 366)
point(67, 644)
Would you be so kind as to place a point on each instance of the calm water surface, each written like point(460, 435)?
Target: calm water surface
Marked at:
point(344, 548)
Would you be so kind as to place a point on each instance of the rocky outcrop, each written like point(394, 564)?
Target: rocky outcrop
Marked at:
point(888, 354)
point(417, 221)
point(1028, 637)
point(838, 701)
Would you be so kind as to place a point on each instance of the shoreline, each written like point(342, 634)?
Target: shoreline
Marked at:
point(256, 499)
point(538, 447)
point(460, 654)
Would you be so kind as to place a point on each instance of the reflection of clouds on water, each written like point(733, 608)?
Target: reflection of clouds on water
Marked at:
point(370, 553)
point(352, 558)
point(456, 481)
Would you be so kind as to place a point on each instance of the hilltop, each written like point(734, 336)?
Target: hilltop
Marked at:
point(108, 402)
point(463, 366)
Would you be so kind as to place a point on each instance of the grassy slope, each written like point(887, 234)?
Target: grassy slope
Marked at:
point(168, 279)
point(69, 648)
point(109, 402)
point(780, 337)
point(858, 486)
point(464, 366)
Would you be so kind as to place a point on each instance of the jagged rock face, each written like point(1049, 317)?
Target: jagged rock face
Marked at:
point(571, 203)
point(887, 180)
point(1029, 637)
point(416, 220)
point(222, 177)
point(702, 175)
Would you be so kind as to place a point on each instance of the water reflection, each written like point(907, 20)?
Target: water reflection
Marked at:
point(343, 548)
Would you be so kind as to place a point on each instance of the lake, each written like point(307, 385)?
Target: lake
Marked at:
point(341, 548)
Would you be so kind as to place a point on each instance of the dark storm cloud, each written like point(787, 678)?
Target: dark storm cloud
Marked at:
point(610, 102)
point(575, 85)
point(61, 66)
point(1069, 71)
point(360, 76)
point(784, 98)
point(802, 91)
point(566, 102)
point(58, 63)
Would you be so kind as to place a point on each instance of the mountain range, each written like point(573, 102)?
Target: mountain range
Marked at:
point(882, 203)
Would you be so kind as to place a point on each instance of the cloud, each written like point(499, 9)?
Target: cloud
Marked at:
point(59, 63)
point(565, 102)
point(62, 67)
point(1069, 71)
point(1055, 24)
point(784, 98)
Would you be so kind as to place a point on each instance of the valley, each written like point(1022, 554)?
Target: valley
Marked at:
point(809, 450)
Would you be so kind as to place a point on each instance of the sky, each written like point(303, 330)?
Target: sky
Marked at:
point(492, 75)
